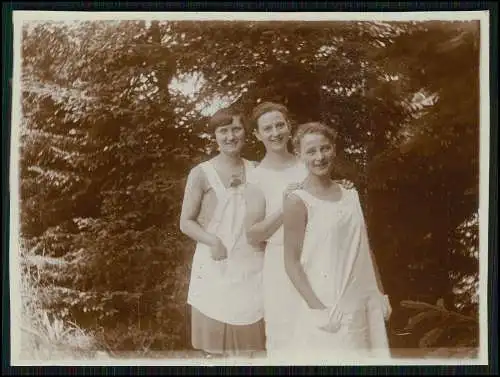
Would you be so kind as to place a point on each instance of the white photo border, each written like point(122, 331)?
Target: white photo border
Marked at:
point(21, 17)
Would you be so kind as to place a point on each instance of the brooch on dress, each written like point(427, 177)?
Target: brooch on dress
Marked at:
point(236, 180)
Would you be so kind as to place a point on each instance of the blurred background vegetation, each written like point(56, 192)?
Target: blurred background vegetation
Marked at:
point(113, 118)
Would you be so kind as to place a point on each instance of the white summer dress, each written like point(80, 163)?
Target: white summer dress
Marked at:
point(230, 290)
point(280, 297)
point(337, 262)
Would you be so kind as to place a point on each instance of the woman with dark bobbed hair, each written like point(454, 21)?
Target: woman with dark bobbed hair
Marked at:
point(225, 289)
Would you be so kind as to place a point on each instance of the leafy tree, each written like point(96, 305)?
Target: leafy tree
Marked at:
point(445, 332)
point(414, 157)
point(321, 71)
point(108, 143)
point(431, 227)
point(109, 156)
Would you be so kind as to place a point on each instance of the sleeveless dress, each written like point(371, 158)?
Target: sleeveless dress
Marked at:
point(280, 297)
point(337, 262)
point(227, 291)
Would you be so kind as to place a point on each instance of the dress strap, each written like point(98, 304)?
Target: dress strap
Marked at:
point(310, 200)
point(213, 178)
point(307, 198)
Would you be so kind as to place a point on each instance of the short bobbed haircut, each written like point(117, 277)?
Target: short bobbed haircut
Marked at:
point(224, 117)
point(313, 128)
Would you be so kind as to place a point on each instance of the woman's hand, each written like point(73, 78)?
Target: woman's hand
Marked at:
point(382, 302)
point(262, 246)
point(345, 183)
point(218, 250)
point(319, 317)
point(386, 306)
point(291, 188)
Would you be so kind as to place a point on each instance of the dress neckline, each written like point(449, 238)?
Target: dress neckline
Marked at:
point(326, 201)
point(218, 177)
point(296, 164)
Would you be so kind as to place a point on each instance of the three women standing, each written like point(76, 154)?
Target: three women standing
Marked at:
point(234, 285)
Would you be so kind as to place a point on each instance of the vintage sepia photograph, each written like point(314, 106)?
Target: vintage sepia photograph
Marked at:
point(249, 188)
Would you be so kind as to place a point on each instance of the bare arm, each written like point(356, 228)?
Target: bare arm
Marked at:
point(387, 309)
point(258, 227)
point(264, 229)
point(377, 273)
point(294, 226)
point(191, 205)
point(255, 212)
point(372, 256)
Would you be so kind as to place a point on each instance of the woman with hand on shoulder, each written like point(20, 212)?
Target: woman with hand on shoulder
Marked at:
point(328, 258)
point(278, 172)
point(225, 289)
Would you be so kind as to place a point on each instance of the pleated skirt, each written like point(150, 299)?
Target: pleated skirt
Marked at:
point(218, 338)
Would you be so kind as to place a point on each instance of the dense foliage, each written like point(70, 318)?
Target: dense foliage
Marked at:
point(108, 139)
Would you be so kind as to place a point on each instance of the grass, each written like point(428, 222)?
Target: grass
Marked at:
point(45, 336)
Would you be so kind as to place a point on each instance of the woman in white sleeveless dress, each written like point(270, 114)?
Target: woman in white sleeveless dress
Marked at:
point(329, 261)
point(278, 172)
point(225, 290)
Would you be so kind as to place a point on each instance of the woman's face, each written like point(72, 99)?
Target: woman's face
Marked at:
point(231, 138)
point(273, 131)
point(317, 152)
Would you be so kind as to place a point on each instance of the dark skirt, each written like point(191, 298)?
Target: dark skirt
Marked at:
point(220, 338)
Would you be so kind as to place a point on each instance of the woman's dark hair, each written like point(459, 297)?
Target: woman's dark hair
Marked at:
point(224, 117)
point(266, 107)
point(313, 128)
